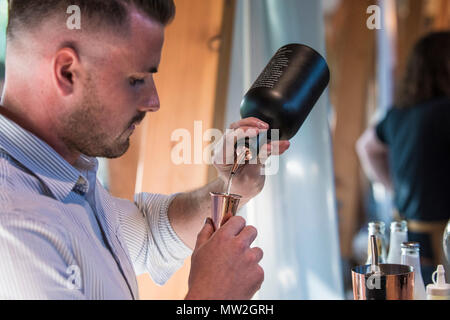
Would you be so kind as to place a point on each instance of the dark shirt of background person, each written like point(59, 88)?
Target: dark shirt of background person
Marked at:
point(417, 132)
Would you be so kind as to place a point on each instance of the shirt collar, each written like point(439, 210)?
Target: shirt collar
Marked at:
point(43, 161)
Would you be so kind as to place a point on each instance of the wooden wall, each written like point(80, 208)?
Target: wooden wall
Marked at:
point(350, 46)
point(187, 83)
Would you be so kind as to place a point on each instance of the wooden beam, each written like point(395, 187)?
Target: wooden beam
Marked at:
point(416, 19)
point(442, 16)
point(411, 26)
point(223, 74)
point(352, 69)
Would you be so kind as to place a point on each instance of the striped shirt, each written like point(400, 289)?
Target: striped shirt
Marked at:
point(63, 236)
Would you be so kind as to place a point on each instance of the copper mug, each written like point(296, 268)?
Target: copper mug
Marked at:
point(396, 282)
point(223, 207)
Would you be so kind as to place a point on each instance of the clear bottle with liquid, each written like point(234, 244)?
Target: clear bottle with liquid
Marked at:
point(411, 257)
point(377, 229)
point(399, 234)
point(446, 241)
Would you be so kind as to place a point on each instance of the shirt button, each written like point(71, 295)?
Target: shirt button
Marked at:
point(81, 187)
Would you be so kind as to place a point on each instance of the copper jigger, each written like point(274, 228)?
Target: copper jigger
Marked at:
point(223, 207)
point(396, 282)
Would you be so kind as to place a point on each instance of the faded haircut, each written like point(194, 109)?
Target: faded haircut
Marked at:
point(29, 14)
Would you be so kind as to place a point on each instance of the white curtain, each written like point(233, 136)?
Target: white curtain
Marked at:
point(296, 212)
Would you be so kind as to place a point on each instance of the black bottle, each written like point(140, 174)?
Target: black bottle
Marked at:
point(285, 92)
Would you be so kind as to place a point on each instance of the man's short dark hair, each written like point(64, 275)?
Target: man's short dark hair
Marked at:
point(28, 14)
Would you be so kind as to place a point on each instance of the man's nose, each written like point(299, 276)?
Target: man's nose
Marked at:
point(150, 103)
point(150, 106)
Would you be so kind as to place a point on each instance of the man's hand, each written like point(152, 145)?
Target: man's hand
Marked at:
point(249, 181)
point(224, 267)
point(188, 210)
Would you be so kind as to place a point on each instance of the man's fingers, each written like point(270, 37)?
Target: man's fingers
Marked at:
point(233, 226)
point(225, 152)
point(242, 132)
point(274, 148)
point(248, 235)
point(258, 254)
point(204, 234)
point(250, 122)
point(279, 147)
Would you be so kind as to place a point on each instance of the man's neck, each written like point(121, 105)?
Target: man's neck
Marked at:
point(42, 133)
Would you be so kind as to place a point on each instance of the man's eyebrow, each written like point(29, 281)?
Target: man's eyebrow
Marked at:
point(150, 70)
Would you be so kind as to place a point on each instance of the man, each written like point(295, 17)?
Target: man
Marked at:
point(71, 96)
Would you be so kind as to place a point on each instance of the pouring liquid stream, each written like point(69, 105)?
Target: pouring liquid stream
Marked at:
point(242, 155)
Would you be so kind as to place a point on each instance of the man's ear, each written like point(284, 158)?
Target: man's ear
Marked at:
point(66, 70)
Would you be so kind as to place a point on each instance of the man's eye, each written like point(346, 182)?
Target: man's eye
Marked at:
point(134, 82)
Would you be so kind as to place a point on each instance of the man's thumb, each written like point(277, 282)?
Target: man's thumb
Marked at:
point(206, 233)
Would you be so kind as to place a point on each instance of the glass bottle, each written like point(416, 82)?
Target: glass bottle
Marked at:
point(399, 234)
point(446, 242)
point(377, 229)
point(285, 93)
point(411, 257)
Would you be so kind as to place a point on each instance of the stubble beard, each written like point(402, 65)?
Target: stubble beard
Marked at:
point(83, 132)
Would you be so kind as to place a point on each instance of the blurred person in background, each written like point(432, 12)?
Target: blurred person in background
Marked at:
point(409, 150)
point(71, 96)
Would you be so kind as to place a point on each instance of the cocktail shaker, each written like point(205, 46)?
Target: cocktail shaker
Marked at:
point(396, 282)
point(382, 281)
